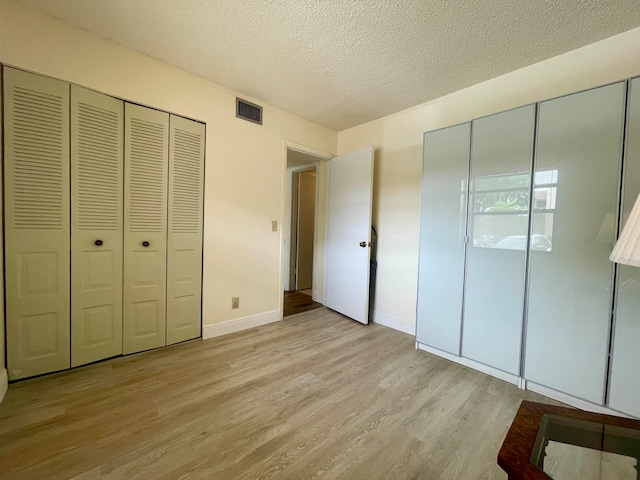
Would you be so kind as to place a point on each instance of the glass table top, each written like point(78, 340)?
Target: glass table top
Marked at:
point(568, 449)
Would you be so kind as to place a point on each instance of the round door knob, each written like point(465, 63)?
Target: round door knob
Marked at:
point(363, 244)
point(98, 242)
point(145, 244)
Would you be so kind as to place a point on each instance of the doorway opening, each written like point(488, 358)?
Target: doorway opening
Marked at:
point(302, 212)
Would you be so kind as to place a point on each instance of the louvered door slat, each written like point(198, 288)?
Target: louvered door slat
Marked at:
point(146, 157)
point(97, 136)
point(184, 258)
point(36, 122)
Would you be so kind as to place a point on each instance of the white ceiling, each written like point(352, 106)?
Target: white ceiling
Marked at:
point(344, 62)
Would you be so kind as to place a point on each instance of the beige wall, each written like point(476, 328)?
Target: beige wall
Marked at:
point(245, 163)
point(398, 142)
point(2, 350)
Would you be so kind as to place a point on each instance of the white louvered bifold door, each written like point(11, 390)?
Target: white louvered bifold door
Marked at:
point(97, 136)
point(36, 123)
point(184, 255)
point(145, 228)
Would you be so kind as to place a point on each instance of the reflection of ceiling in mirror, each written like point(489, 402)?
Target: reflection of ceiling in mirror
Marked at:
point(627, 248)
point(606, 234)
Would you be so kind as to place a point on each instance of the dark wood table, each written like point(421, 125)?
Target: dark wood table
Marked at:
point(515, 453)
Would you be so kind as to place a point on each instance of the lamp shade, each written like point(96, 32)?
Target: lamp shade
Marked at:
point(627, 248)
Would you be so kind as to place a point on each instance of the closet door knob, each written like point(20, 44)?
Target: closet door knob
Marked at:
point(98, 242)
point(145, 244)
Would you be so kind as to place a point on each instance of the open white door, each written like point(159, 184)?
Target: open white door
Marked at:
point(348, 234)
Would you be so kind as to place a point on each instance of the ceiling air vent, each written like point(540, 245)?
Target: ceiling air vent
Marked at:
point(248, 111)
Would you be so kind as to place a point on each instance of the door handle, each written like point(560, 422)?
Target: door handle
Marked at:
point(145, 244)
point(363, 244)
point(98, 243)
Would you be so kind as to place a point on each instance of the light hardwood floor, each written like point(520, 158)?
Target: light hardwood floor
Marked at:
point(314, 396)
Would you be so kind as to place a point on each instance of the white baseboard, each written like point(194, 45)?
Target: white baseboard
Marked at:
point(238, 324)
point(4, 383)
point(573, 401)
point(393, 322)
point(523, 384)
point(494, 372)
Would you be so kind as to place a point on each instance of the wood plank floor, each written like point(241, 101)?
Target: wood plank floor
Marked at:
point(314, 396)
point(298, 302)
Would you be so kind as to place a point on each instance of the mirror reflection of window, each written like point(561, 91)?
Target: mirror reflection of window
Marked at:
point(545, 191)
point(500, 205)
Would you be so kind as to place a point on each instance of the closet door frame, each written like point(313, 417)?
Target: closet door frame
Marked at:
point(435, 331)
point(185, 237)
point(37, 237)
point(582, 384)
point(498, 357)
point(623, 351)
point(97, 177)
point(145, 228)
point(61, 335)
point(613, 323)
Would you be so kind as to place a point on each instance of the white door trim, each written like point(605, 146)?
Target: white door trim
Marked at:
point(285, 220)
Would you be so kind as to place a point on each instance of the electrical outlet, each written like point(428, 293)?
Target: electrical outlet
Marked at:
point(235, 303)
point(274, 225)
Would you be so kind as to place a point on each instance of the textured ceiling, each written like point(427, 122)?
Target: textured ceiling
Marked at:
point(341, 63)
